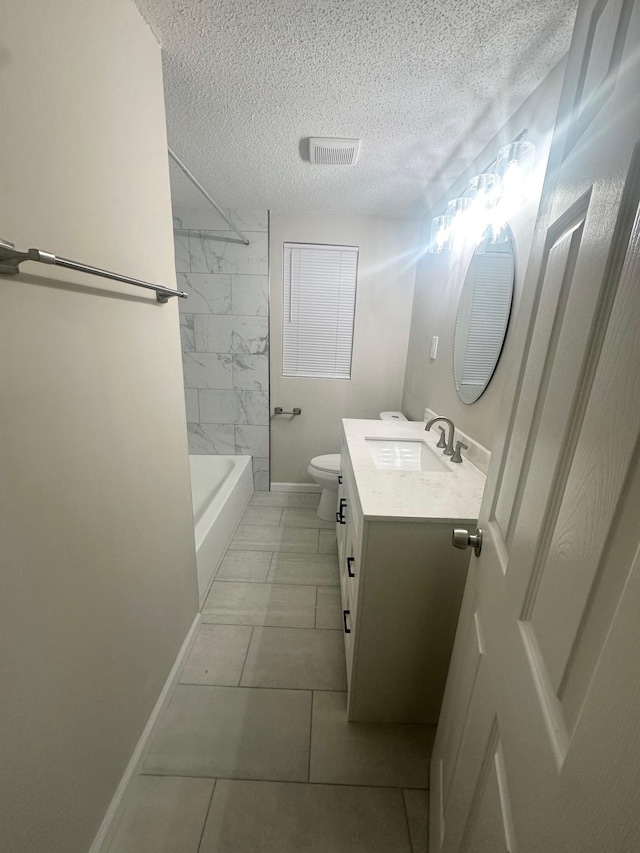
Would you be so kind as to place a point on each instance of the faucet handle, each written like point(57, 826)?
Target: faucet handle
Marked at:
point(456, 453)
point(442, 442)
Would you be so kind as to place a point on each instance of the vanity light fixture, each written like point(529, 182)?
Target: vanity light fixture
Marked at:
point(441, 235)
point(496, 232)
point(484, 189)
point(483, 193)
point(514, 167)
point(481, 214)
point(458, 212)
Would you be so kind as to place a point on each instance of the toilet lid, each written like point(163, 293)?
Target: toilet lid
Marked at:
point(330, 463)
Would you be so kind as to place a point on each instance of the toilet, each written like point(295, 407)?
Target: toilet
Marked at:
point(324, 470)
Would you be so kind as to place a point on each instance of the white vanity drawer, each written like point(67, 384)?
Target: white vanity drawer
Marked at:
point(348, 629)
point(352, 566)
point(348, 598)
point(353, 511)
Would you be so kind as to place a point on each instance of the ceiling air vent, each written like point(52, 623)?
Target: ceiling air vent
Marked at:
point(325, 151)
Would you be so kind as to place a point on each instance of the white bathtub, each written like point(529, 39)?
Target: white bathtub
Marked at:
point(221, 487)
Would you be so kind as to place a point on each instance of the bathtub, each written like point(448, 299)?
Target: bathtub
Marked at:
point(220, 487)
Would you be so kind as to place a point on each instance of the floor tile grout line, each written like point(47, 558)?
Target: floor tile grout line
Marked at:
point(266, 580)
point(206, 817)
point(261, 504)
point(249, 523)
point(287, 627)
point(406, 817)
point(246, 655)
point(279, 550)
point(285, 781)
point(290, 689)
point(315, 620)
point(313, 693)
point(285, 526)
point(281, 583)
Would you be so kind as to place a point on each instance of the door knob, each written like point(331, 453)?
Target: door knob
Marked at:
point(463, 539)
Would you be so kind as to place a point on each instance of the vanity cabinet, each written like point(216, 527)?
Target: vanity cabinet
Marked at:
point(401, 584)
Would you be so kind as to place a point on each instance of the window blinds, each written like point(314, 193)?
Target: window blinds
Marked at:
point(318, 310)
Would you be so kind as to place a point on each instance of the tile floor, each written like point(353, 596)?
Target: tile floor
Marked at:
point(252, 752)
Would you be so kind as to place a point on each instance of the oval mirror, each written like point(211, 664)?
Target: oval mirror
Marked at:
point(483, 316)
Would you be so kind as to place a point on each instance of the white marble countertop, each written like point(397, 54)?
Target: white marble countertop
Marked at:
point(390, 495)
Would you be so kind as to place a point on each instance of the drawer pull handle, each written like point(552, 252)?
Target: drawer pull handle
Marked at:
point(340, 514)
point(339, 479)
point(346, 613)
point(350, 562)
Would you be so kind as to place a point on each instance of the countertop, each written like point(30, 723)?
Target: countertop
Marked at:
point(391, 495)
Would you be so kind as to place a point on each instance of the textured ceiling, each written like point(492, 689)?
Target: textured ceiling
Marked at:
point(425, 85)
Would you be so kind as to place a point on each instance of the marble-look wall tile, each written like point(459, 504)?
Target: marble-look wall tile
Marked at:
point(225, 333)
point(208, 293)
point(261, 474)
point(191, 403)
point(207, 370)
point(216, 251)
point(250, 295)
point(199, 219)
point(251, 372)
point(187, 333)
point(252, 440)
point(182, 251)
point(211, 439)
point(234, 407)
point(228, 333)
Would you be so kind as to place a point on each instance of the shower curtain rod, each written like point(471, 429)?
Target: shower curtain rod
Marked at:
point(199, 186)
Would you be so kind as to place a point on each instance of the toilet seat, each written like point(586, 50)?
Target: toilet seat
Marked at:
point(329, 463)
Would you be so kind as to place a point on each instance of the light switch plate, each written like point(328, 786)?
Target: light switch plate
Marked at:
point(434, 347)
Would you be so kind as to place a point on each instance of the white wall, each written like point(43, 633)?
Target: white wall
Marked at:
point(386, 273)
point(98, 579)
point(439, 280)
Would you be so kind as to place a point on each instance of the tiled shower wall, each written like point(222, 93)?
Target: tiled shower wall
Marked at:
point(224, 327)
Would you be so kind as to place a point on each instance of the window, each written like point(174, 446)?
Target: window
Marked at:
point(318, 310)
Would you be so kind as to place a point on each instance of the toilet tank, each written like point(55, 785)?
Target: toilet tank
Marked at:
point(392, 416)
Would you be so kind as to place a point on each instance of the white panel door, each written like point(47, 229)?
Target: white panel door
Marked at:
point(538, 747)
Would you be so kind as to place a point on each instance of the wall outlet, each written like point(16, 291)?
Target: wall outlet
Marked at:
point(434, 348)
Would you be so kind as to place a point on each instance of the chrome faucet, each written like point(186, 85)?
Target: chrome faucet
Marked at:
point(457, 456)
point(448, 451)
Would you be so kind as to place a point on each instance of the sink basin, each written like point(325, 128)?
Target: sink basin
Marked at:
point(404, 454)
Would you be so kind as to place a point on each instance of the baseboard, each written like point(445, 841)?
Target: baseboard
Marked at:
point(296, 487)
point(144, 737)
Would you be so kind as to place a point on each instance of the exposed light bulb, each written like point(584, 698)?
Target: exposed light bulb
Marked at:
point(441, 235)
point(514, 167)
point(457, 210)
point(484, 189)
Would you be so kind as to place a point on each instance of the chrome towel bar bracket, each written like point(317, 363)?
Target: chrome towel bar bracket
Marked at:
point(11, 258)
point(278, 411)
